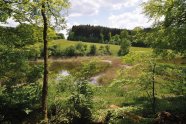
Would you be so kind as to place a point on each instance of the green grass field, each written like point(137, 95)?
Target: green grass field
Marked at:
point(66, 43)
point(114, 48)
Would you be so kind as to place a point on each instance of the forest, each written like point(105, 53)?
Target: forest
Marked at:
point(99, 74)
point(105, 35)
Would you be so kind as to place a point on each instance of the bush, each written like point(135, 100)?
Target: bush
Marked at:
point(75, 109)
point(58, 93)
point(104, 50)
point(107, 50)
point(80, 49)
point(60, 36)
point(124, 47)
point(93, 50)
point(17, 106)
point(81, 103)
point(70, 51)
point(56, 51)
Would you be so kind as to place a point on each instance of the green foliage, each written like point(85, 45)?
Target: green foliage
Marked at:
point(4, 11)
point(124, 34)
point(92, 50)
point(94, 34)
point(17, 9)
point(60, 36)
point(179, 84)
point(15, 61)
point(102, 37)
point(124, 47)
point(29, 12)
point(71, 35)
point(115, 39)
point(81, 103)
point(70, 51)
point(104, 50)
point(70, 101)
point(136, 57)
point(20, 36)
point(17, 105)
point(124, 44)
point(81, 49)
point(78, 49)
point(98, 34)
point(59, 91)
point(175, 76)
point(21, 94)
point(29, 34)
point(51, 33)
point(55, 51)
point(139, 36)
point(169, 32)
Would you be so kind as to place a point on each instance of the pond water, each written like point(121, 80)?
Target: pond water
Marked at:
point(62, 73)
point(65, 73)
point(95, 79)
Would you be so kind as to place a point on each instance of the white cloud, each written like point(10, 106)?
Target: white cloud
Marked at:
point(93, 7)
point(126, 4)
point(75, 15)
point(129, 20)
point(84, 7)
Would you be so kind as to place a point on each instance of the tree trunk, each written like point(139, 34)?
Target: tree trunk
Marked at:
point(153, 90)
point(45, 78)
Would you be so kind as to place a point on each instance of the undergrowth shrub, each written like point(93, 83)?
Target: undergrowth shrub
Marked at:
point(70, 51)
point(81, 103)
point(104, 50)
point(92, 50)
point(124, 47)
point(75, 109)
point(81, 49)
point(135, 58)
point(17, 105)
point(56, 51)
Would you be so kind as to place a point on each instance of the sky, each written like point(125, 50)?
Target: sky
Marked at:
point(110, 13)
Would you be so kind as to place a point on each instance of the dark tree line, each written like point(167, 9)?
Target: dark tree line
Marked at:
point(99, 34)
point(88, 33)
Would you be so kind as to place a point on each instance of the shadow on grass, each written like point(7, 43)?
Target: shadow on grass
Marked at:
point(175, 105)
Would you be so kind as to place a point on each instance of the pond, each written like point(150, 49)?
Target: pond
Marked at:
point(65, 73)
point(62, 73)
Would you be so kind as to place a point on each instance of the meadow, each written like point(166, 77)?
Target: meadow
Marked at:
point(63, 44)
point(124, 84)
point(99, 88)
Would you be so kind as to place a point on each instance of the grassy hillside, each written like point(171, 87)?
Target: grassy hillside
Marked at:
point(114, 48)
point(63, 44)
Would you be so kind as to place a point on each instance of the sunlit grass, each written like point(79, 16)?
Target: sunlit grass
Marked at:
point(114, 48)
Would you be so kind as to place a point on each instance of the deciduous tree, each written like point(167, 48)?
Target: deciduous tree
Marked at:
point(170, 24)
point(42, 13)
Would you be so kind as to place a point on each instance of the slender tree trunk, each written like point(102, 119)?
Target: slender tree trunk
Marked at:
point(153, 90)
point(45, 78)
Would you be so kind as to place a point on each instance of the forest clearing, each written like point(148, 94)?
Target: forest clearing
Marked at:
point(92, 62)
